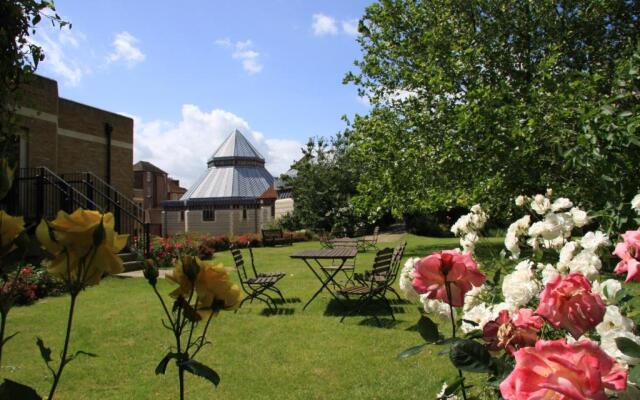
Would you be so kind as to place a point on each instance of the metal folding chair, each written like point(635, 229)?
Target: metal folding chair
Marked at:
point(256, 286)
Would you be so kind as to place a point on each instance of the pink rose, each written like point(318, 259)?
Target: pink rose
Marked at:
point(568, 303)
point(513, 333)
point(556, 370)
point(433, 273)
point(629, 252)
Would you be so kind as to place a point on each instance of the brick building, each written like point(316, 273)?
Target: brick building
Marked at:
point(69, 137)
point(234, 196)
point(152, 186)
point(71, 155)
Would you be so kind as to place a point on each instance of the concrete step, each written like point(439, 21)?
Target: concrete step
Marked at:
point(128, 256)
point(133, 266)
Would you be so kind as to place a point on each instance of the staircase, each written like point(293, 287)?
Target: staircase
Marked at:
point(39, 193)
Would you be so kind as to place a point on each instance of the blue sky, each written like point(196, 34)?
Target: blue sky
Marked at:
point(189, 72)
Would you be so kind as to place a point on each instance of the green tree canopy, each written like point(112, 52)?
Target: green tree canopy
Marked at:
point(483, 100)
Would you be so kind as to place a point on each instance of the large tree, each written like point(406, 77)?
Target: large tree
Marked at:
point(19, 56)
point(483, 100)
point(323, 185)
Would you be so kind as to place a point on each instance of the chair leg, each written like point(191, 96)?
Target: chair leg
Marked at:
point(386, 301)
point(394, 292)
point(275, 289)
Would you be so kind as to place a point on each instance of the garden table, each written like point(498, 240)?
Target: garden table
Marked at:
point(311, 257)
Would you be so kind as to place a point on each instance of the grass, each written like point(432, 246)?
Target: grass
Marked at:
point(293, 355)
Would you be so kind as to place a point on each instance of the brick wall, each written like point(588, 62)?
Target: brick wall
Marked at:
point(66, 136)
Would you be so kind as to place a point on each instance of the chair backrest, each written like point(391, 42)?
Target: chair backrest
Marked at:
point(382, 264)
point(237, 258)
point(398, 252)
point(376, 231)
point(253, 265)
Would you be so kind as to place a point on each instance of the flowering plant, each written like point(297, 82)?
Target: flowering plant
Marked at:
point(551, 327)
point(204, 288)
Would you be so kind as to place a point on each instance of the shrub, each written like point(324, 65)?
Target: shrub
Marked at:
point(33, 283)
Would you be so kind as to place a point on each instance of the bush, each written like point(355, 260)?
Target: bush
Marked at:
point(33, 283)
point(210, 244)
point(166, 250)
point(436, 224)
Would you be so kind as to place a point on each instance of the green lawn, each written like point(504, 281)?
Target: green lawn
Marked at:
point(294, 355)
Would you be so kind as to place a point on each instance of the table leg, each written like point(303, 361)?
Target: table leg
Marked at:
point(325, 283)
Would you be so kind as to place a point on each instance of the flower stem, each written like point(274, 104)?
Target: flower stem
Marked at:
point(453, 334)
point(63, 359)
point(3, 315)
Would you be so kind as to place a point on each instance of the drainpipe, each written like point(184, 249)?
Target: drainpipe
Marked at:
point(108, 129)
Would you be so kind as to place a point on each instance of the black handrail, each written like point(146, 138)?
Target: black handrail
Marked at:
point(129, 217)
point(39, 192)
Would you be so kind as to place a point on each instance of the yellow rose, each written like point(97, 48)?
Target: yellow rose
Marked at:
point(211, 283)
point(10, 228)
point(71, 237)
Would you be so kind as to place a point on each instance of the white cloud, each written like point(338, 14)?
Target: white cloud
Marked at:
point(182, 149)
point(55, 46)
point(350, 27)
point(324, 25)
point(124, 48)
point(244, 52)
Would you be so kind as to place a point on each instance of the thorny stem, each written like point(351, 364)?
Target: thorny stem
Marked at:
point(63, 359)
point(164, 306)
point(3, 315)
point(453, 334)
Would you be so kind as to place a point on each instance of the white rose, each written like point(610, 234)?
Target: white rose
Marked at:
point(468, 242)
point(551, 227)
point(555, 243)
point(461, 226)
point(480, 315)
point(519, 287)
point(614, 321)
point(594, 240)
point(536, 229)
point(608, 344)
point(566, 254)
point(534, 243)
point(511, 244)
point(438, 308)
point(610, 286)
point(579, 216)
point(560, 204)
point(540, 204)
point(635, 203)
point(473, 297)
point(549, 192)
point(548, 273)
point(406, 279)
point(476, 209)
point(587, 263)
point(524, 265)
point(521, 201)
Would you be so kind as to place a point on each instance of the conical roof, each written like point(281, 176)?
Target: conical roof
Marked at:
point(235, 171)
point(236, 146)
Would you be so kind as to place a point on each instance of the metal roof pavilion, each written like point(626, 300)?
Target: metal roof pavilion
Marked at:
point(235, 171)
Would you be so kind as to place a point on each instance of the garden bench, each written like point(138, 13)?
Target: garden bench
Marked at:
point(273, 237)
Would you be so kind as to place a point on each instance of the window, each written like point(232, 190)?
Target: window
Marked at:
point(209, 214)
point(181, 215)
point(244, 212)
point(273, 210)
point(137, 180)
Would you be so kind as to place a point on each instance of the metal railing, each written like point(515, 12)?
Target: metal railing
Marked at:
point(39, 193)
